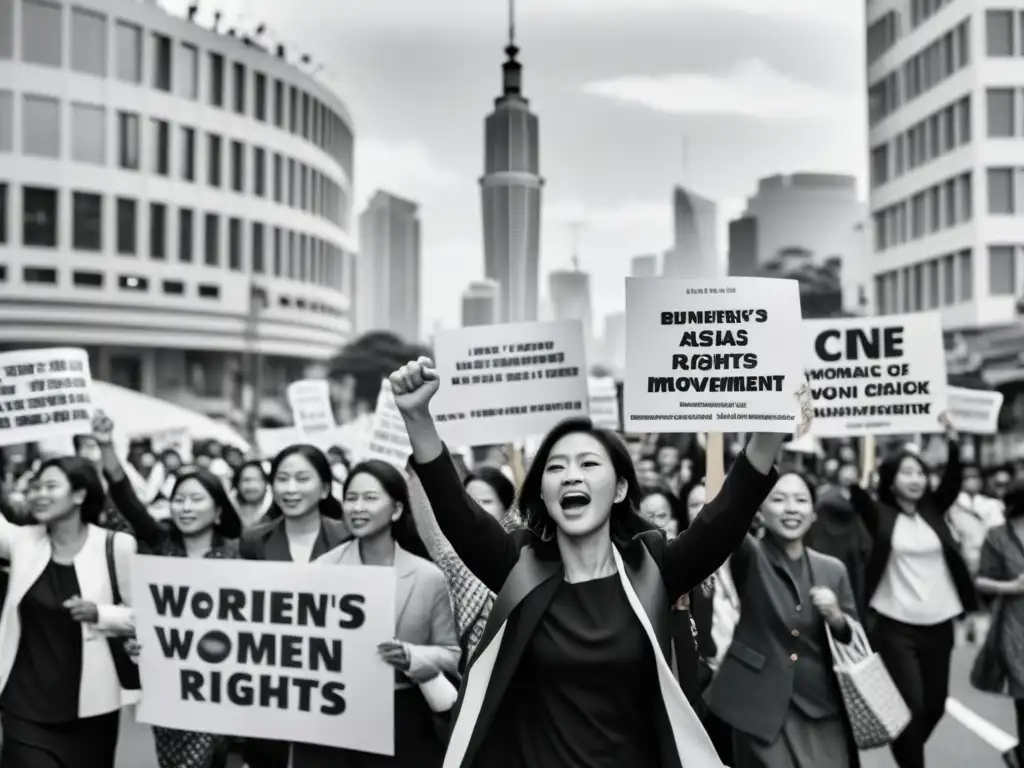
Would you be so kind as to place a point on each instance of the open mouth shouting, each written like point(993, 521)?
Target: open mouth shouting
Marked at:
point(574, 502)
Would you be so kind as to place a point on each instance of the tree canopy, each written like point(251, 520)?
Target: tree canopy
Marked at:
point(371, 357)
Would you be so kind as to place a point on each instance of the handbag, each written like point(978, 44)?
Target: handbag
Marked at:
point(124, 664)
point(874, 706)
point(989, 673)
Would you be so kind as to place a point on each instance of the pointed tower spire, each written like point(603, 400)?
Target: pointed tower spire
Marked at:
point(512, 69)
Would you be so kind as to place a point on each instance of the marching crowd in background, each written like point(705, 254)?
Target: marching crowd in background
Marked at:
point(598, 605)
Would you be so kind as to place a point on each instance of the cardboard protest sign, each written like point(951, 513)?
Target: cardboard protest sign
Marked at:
point(44, 393)
point(310, 401)
point(974, 411)
point(604, 402)
point(712, 355)
point(503, 383)
point(876, 375)
point(269, 650)
point(387, 439)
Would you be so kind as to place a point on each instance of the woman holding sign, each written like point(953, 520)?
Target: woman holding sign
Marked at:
point(572, 667)
point(302, 524)
point(60, 694)
point(916, 584)
point(376, 508)
point(203, 524)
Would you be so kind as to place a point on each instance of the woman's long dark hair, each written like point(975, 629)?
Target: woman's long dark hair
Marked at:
point(393, 482)
point(887, 472)
point(329, 507)
point(625, 521)
point(82, 476)
point(230, 525)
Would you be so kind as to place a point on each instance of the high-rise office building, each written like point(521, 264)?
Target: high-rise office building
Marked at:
point(511, 194)
point(694, 253)
point(480, 303)
point(569, 292)
point(645, 265)
point(613, 346)
point(388, 278)
point(945, 84)
point(818, 214)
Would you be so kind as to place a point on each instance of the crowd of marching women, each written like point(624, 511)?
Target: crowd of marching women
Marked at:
point(604, 604)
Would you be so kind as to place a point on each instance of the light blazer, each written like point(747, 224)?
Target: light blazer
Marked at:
point(423, 612)
point(29, 550)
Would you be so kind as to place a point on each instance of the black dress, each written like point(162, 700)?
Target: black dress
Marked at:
point(41, 726)
point(589, 642)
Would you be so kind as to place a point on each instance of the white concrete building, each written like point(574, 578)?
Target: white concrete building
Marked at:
point(947, 161)
point(171, 198)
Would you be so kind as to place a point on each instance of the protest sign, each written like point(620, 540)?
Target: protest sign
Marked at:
point(177, 440)
point(712, 355)
point(876, 375)
point(503, 383)
point(604, 402)
point(268, 650)
point(44, 393)
point(310, 401)
point(974, 411)
point(387, 439)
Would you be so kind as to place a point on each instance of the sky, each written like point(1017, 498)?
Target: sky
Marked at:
point(633, 96)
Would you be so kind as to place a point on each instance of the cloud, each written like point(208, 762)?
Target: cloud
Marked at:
point(751, 89)
point(406, 169)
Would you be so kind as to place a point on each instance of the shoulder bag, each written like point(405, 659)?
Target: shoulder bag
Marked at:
point(127, 669)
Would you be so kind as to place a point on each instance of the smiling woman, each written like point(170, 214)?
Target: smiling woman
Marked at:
point(775, 686)
point(575, 650)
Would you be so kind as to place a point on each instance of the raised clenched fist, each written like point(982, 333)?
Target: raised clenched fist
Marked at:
point(413, 385)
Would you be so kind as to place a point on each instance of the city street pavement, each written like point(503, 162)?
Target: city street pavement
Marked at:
point(954, 745)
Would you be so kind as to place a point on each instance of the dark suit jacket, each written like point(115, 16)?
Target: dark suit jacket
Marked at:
point(840, 532)
point(880, 520)
point(525, 572)
point(268, 541)
point(753, 689)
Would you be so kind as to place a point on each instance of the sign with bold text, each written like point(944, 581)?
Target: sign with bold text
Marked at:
point(268, 650)
point(44, 393)
point(876, 375)
point(710, 355)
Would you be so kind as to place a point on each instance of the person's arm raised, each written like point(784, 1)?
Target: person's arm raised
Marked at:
point(478, 539)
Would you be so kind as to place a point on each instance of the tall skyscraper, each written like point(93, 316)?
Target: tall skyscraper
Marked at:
point(644, 266)
point(944, 107)
point(695, 252)
point(511, 193)
point(569, 291)
point(388, 278)
point(480, 303)
point(817, 213)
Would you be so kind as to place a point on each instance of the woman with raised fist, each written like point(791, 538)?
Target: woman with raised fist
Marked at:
point(573, 667)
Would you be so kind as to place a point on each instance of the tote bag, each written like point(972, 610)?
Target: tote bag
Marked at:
point(874, 706)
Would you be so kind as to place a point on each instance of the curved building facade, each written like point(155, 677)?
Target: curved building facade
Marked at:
point(173, 199)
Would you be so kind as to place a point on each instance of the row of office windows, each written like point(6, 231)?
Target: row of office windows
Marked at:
point(929, 139)
point(941, 282)
point(92, 280)
point(942, 206)
point(885, 31)
point(939, 61)
point(1004, 33)
point(174, 67)
point(161, 148)
point(270, 250)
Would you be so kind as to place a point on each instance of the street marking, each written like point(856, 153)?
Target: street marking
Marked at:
point(991, 734)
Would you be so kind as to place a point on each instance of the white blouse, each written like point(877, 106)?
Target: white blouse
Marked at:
point(917, 587)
